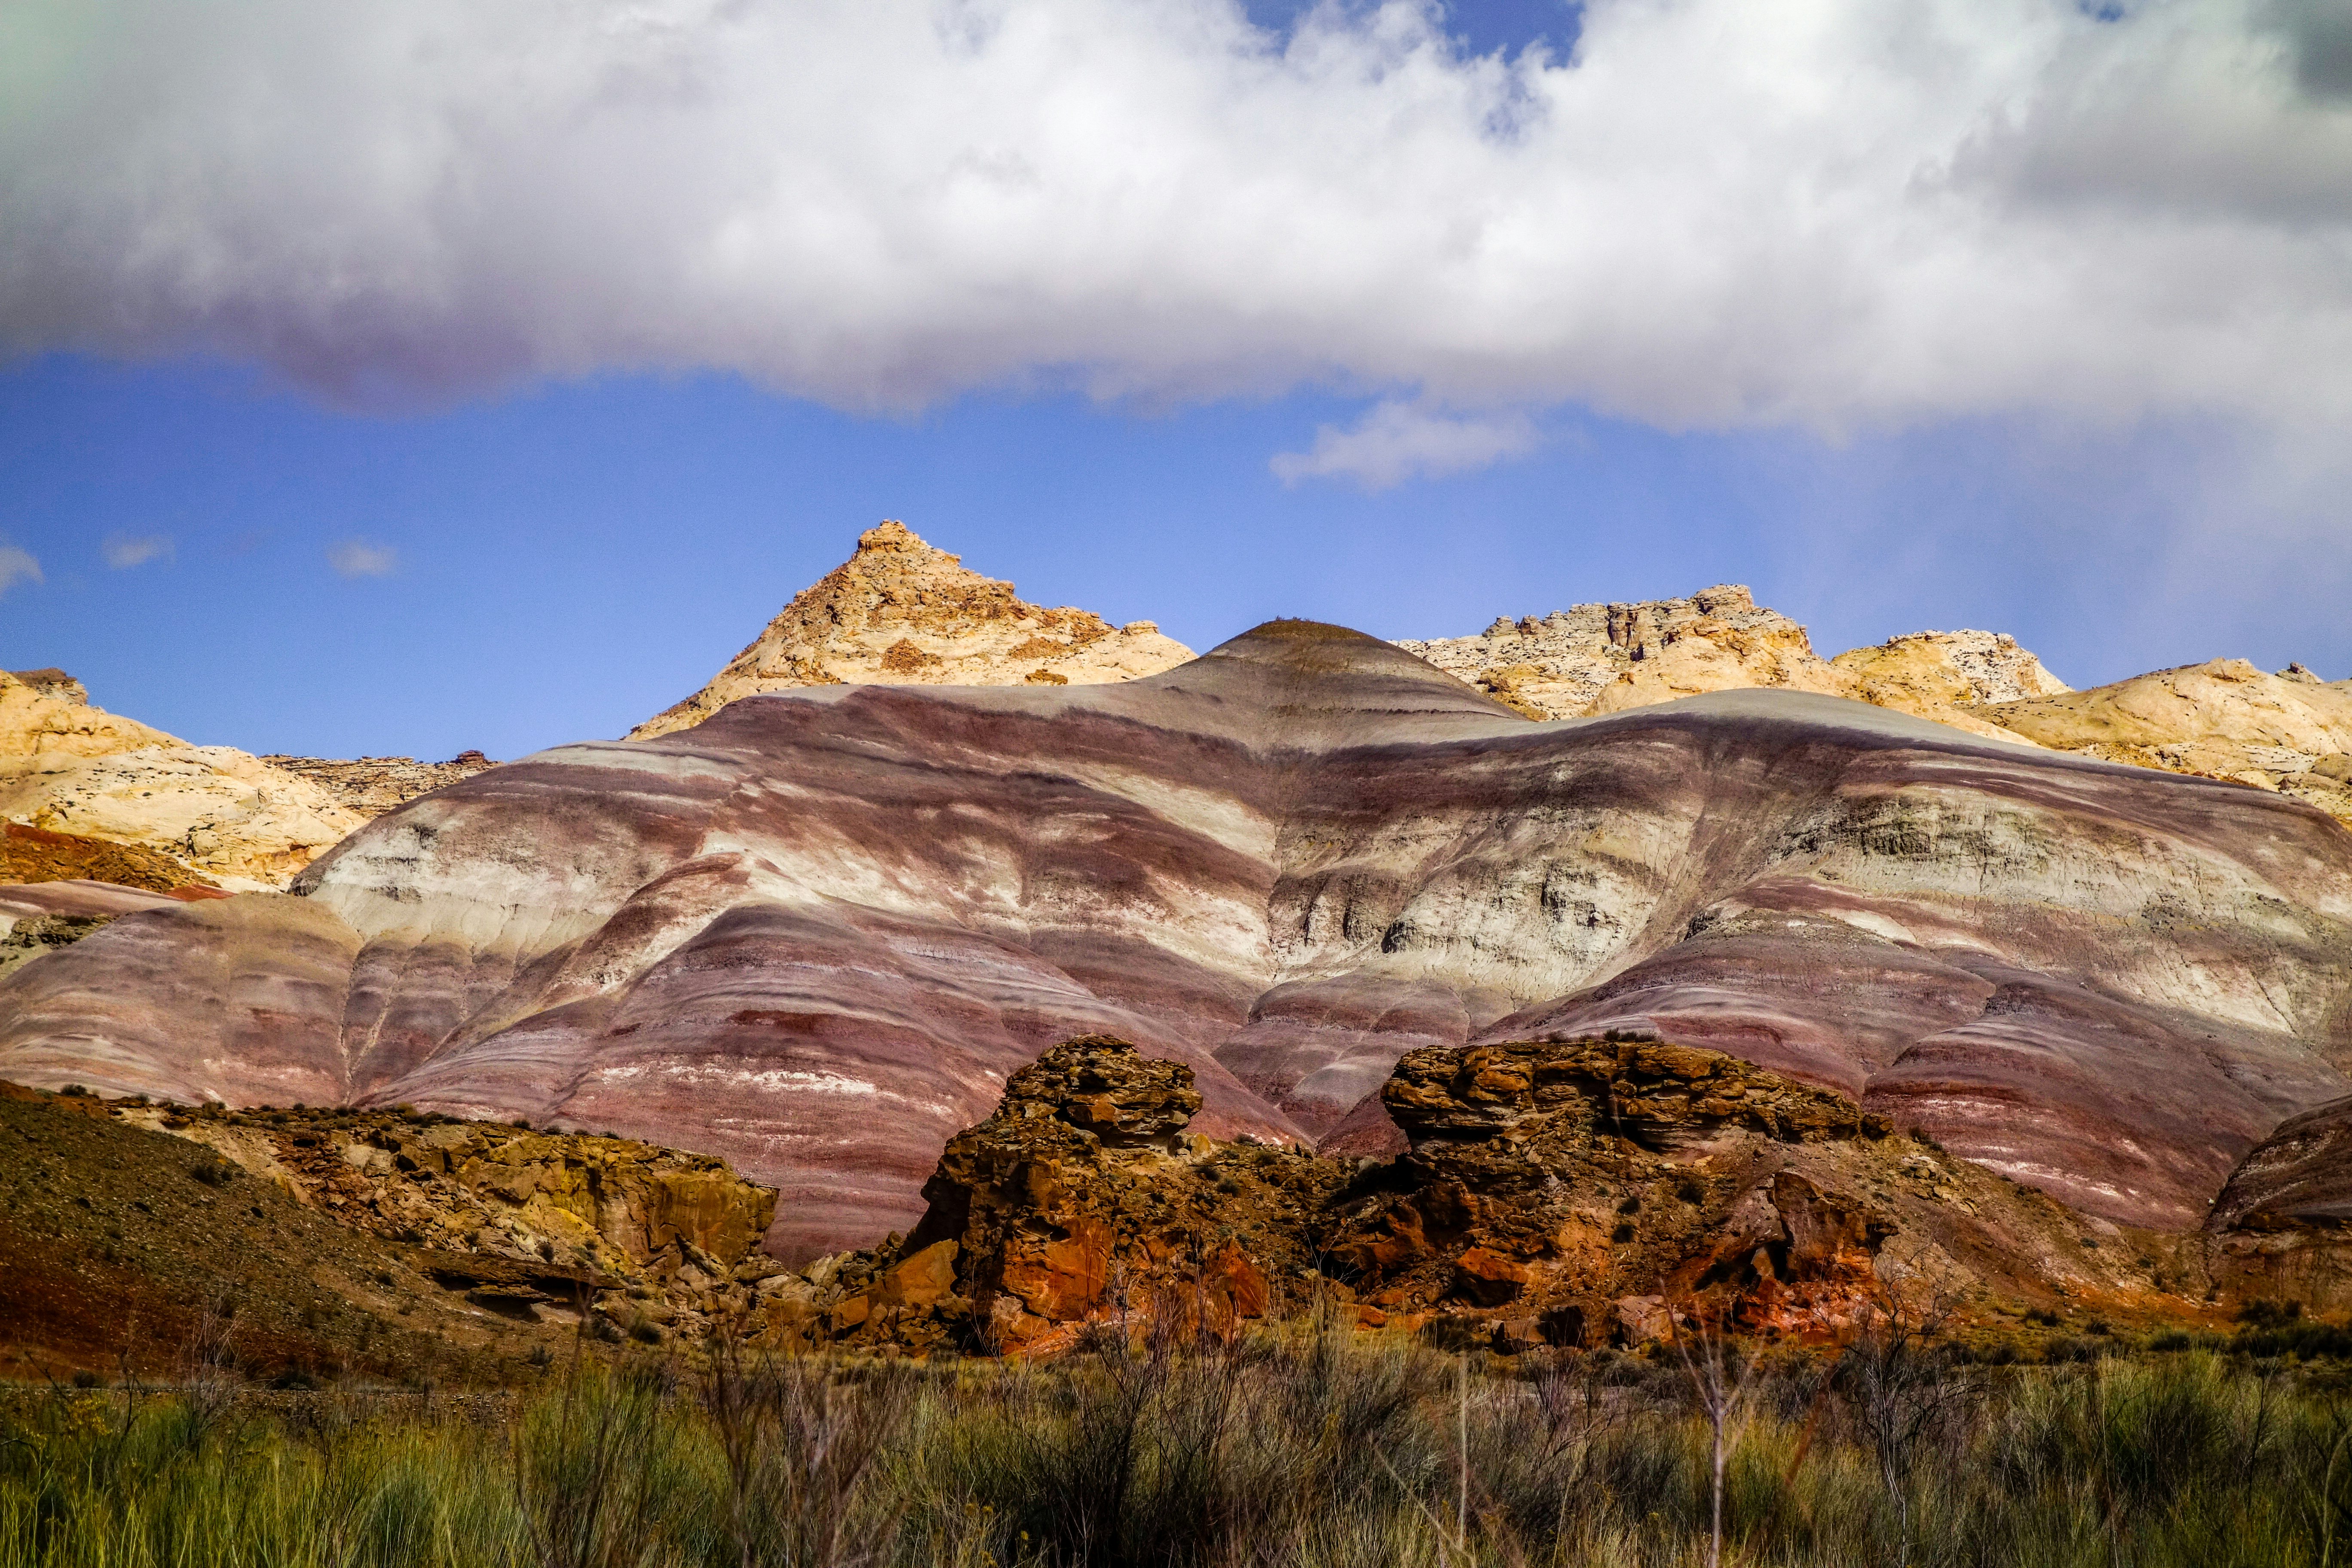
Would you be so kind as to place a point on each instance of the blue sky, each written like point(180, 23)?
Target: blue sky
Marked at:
point(566, 561)
point(1372, 318)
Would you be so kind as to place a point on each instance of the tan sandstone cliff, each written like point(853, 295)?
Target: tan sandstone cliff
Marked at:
point(68, 767)
point(1605, 658)
point(2224, 719)
point(902, 613)
point(2290, 732)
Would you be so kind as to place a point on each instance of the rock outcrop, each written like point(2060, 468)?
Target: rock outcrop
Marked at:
point(1556, 1193)
point(2291, 731)
point(1082, 1199)
point(2282, 1227)
point(2224, 719)
point(1605, 658)
point(47, 714)
point(645, 1233)
point(222, 814)
point(819, 934)
point(902, 613)
point(36, 855)
point(1949, 677)
point(25, 940)
point(1552, 1189)
point(1927, 672)
point(373, 785)
point(55, 684)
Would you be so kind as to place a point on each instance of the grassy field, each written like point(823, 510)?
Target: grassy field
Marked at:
point(1299, 1447)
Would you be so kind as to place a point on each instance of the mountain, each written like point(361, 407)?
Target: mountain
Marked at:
point(123, 803)
point(1605, 658)
point(900, 613)
point(2290, 732)
point(373, 785)
point(223, 815)
point(818, 933)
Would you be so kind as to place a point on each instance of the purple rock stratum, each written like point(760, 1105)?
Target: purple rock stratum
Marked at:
point(817, 932)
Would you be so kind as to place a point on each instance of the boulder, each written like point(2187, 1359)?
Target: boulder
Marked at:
point(1081, 1200)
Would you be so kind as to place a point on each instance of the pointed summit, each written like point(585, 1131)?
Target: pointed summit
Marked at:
point(901, 612)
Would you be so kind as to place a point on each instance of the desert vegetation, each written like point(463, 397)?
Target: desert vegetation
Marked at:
point(1302, 1445)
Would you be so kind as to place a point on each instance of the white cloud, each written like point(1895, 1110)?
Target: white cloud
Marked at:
point(16, 566)
point(1834, 213)
point(358, 558)
point(1396, 441)
point(122, 554)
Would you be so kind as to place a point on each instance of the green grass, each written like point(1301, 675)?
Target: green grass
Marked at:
point(1298, 1449)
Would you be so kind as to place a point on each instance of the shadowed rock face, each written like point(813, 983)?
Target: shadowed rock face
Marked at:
point(2283, 1225)
point(816, 934)
point(1555, 1191)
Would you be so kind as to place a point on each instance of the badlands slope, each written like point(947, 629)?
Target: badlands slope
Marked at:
point(815, 933)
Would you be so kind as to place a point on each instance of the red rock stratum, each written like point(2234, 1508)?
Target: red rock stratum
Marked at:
point(816, 934)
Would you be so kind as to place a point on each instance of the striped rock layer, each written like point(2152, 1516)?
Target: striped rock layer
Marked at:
point(817, 932)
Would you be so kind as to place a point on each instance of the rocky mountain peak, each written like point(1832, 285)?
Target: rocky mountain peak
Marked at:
point(902, 611)
point(56, 684)
point(1605, 657)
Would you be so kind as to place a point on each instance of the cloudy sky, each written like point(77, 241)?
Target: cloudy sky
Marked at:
point(411, 374)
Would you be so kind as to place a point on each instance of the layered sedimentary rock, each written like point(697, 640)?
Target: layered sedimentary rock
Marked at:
point(223, 815)
point(2282, 1227)
point(900, 613)
point(602, 1213)
point(1554, 1193)
point(1606, 659)
point(373, 785)
point(2290, 732)
point(818, 933)
point(36, 855)
point(1081, 1197)
point(1603, 658)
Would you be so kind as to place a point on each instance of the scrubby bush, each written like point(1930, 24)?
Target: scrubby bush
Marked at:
point(1298, 1448)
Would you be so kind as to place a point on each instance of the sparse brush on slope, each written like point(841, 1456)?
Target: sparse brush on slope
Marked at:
point(1304, 1448)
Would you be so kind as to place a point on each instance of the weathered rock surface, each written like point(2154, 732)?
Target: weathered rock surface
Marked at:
point(47, 713)
point(225, 814)
point(35, 936)
point(38, 855)
point(373, 785)
point(563, 1209)
point(1546, 1183)
point(2226, 719)
point(1081, 1199)
point(2223, 720)
point(817, 933)
point(2282, 1227)
point(1924, 672)
point(1948, 677)
point(902, 613)
point(1605, 658)
point(1550, 1189)
point(37, 901)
